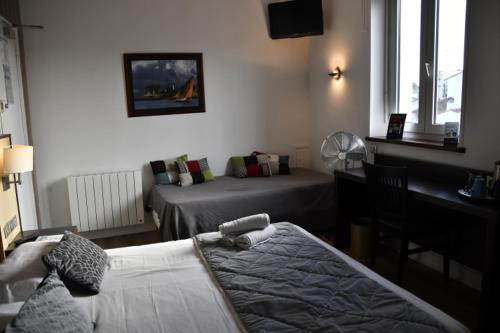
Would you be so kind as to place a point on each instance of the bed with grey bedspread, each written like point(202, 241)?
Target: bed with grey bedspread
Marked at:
point(290, 284)
point(305, 198)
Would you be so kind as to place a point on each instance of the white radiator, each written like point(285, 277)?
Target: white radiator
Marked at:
point(104, 201)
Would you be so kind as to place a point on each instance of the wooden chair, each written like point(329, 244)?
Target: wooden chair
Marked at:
point(389, 208)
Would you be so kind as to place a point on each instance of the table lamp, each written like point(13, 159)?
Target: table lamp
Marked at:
point(17, 159)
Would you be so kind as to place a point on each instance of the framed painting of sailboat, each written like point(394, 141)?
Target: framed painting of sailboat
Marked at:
point(164, 83)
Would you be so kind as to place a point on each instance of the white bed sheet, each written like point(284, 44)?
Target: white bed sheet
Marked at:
point(23, 270)
point(160, 287)
point(165, 287)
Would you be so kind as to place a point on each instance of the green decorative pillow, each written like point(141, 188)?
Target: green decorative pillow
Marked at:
point(205, 170)
point(238, 166)
point(182, 158)
point(207, 174)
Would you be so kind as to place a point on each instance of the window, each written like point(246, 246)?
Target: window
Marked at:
point(426, 44)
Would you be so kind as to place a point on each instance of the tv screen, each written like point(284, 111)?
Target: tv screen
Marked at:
point(296, 18)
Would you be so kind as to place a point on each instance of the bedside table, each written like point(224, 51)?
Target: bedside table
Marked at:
point(50, 231)
point(41, 232)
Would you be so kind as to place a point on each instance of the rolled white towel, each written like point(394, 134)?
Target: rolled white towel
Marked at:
point(239, 226)
point(228, 240)
point(249, 239)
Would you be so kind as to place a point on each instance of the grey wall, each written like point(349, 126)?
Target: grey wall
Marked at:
point(256, 89)
point(13, 121)
point(342, 105)
point(260, 93)
point(351, 103)
point(345, 105)
point(482, 97)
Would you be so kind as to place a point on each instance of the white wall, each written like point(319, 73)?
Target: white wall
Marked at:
point(256, 89)
point(260, 93)
point(342, 105)
point(13, 122)
point(345, 105)
point(482, 97)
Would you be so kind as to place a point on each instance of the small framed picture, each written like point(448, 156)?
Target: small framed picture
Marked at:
point(396, 126)
point(451, 133)
point(164, 83)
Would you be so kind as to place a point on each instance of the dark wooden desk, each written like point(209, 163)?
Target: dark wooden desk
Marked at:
point(445, 196)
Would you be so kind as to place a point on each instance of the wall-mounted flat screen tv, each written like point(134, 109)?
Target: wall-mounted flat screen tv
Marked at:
point(298, 18)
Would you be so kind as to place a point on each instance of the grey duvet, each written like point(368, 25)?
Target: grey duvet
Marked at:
point(303, 197)
point(291, 284)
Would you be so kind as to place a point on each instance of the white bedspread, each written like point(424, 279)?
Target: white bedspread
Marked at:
point(165, 287)
point(22, 271)
point(158, 288)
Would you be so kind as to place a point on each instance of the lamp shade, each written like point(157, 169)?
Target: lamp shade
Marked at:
point(17, 159)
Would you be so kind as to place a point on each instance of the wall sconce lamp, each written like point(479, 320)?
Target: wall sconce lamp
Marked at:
point(17, 159)
point(336, 74)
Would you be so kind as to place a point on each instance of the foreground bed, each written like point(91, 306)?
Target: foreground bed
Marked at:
point(168, 287)
point(300, 198)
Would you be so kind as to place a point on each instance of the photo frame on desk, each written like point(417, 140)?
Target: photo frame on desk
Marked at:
point(396, 126)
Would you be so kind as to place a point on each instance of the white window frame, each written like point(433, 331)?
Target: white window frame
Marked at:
point(428, 58)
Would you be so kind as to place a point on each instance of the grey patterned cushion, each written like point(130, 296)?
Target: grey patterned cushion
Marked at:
point(79, 262)
point(50, 308)
point(204, 164)
point(240, 172)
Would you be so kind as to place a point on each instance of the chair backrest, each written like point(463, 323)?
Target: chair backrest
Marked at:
point(388, 192)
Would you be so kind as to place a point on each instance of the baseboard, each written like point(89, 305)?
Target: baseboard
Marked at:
point(147, 226)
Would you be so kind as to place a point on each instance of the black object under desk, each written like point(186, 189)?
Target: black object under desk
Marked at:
point(434, 187)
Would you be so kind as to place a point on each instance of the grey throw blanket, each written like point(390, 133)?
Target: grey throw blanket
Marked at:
point(306, 198)
point(290, 283)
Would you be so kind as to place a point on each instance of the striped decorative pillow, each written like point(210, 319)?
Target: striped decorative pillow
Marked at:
point(265, 169)
point(185, 179)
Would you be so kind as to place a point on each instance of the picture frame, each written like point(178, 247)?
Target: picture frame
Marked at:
point(396, 126)
point(164, 83)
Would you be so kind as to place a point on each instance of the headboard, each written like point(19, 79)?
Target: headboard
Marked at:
point(10, 222)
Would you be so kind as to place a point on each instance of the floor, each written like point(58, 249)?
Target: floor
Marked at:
point(129, 240)
point(454, 298)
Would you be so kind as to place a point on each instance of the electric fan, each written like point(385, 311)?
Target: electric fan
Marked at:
point(342, 151)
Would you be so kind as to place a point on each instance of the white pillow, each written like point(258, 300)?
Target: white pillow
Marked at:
point(8, 312)
point(274, 158)
point(263, 159)
point(23, 270)
point(186, 179)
